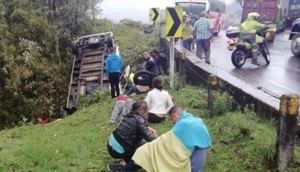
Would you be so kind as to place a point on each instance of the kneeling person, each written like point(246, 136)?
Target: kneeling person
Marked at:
point(159, 102)
point(125, 139)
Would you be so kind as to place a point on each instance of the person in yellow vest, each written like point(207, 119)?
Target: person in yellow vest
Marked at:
point(187, 33)
point(251, 25)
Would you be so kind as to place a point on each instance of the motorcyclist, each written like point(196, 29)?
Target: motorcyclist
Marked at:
point(251, 25)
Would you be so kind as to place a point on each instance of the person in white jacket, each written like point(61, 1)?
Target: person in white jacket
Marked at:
point(159, 102)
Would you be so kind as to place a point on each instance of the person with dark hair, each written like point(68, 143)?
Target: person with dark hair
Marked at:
point(159, 102)
point(128, 136)
point(155, 55)
point(150, 64)
point(113, 68)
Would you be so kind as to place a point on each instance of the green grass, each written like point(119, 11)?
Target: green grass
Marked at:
point(242, 142)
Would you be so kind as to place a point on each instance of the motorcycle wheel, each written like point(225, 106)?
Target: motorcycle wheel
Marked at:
point(295, 48)
point(238, 58)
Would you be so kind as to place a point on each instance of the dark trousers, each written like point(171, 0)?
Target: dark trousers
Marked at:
point(203, 45)
point(114, 79)
point(262, 49)
point(126, 156)
point(187, 43)
point(153, 118)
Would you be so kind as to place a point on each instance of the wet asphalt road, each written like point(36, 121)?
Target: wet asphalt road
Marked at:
point(282, 76)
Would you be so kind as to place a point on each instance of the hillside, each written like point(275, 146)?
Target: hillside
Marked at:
point(77, 143)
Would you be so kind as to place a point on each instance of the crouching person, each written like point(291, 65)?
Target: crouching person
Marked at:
point(183, 149)
point(128, 136)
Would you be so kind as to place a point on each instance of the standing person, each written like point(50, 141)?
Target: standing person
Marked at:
point(113, 68)
point(184, 148)
point(203, 31)
point(125, 139)
point(187, 33)
point(159, 102)
point(150, 64)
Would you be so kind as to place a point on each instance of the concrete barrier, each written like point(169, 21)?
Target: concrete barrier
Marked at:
point(197, 72)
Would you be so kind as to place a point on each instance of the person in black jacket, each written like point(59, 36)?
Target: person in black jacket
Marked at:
point(150, 63)
point(128, 136)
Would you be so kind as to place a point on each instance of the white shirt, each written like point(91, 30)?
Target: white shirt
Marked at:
point(159, 102)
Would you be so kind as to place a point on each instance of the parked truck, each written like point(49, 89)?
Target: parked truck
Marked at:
point(270, 14)
point(290, 10)
point(278, 14)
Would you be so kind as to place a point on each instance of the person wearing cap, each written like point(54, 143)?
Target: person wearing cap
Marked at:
point(202, 30)
point(121, 108)
point(187, 33)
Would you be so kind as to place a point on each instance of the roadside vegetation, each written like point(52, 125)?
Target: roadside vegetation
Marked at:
point(242, 141)
point(36, 53)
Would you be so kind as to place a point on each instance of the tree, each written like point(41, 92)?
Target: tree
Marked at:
point(35, 55)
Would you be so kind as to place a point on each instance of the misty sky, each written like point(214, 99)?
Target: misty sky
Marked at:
point(133, 9)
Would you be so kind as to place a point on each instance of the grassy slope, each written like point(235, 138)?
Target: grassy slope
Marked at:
point(78, 143)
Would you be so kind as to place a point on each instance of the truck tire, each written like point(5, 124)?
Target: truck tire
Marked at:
point(294, 47)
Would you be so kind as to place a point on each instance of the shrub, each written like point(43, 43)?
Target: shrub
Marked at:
point(222, 103)
point(95, 97)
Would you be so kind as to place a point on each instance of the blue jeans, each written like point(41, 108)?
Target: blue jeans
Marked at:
point(198, 159)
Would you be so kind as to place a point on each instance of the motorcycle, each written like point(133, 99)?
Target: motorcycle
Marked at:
point(244, 47)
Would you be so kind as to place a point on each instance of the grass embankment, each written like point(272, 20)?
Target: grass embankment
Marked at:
point(242, 142)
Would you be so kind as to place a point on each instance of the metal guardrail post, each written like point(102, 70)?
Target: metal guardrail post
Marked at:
point(182, 69)
point(289, 105)
point(213, 83)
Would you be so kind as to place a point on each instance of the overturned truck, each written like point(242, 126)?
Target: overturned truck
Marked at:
point(87, 74)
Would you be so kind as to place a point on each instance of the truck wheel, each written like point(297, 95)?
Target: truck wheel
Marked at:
point(295, 46)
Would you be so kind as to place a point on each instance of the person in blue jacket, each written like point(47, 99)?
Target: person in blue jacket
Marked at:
point(194, 135)
point(113, 68)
